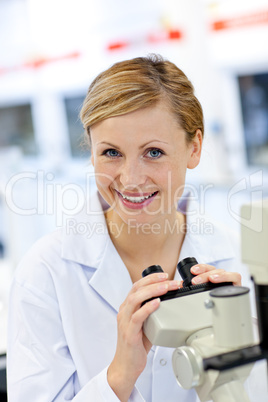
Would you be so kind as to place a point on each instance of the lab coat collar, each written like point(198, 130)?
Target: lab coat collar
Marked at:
point(86, 241)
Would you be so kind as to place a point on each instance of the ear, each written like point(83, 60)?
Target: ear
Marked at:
point(195, 150)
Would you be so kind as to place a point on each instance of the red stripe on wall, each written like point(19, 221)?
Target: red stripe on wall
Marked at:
point(259, 18)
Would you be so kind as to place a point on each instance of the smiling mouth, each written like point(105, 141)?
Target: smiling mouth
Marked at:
point(136, 200)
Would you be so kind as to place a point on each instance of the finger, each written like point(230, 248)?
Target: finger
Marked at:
point(142, 314)
point(218, 276)
point(204, 278)
point(150, 279)
point(133, 326)
point(201, 268)
point(151, 291)
point(233, 277)
point(134, 300)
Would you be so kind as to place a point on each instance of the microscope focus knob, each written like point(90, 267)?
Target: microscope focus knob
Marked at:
point(188, 367)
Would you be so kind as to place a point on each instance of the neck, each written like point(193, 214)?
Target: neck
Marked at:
point(142, 245)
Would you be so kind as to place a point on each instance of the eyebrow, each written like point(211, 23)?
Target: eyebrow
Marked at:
point(142, 146)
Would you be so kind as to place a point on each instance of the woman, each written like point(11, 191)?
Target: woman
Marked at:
point(76, 313)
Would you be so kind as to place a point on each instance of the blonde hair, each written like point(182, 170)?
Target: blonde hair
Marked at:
point(138, 83)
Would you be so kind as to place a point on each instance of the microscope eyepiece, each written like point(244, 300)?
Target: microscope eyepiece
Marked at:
point(152, 270)
point(184, 267)
point(188, 288)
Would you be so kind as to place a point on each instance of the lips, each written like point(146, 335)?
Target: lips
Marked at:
point(136, 200)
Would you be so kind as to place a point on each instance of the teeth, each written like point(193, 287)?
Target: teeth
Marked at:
point(137, 200)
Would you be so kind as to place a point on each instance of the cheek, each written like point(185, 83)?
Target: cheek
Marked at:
point(104, 174)
point(102, 180)
point(103, 183)
point(176, 180)
point(174, 174)
point(105, 177)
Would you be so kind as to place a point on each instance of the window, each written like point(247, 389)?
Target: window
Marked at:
point(16, 128)
point(79, 147)
point(254, 103)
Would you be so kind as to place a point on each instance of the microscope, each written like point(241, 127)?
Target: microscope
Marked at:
point(210, 325)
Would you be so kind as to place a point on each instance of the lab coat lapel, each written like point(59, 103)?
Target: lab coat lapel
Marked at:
point(111, 279)
point(94, 248)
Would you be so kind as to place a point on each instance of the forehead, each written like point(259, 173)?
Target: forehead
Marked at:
point(155, 119)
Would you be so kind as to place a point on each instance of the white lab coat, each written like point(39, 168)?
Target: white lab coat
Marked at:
point(63, 305)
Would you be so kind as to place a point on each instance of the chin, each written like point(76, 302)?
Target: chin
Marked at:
point(141, 219)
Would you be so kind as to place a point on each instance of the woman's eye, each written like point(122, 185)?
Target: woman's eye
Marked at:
point(111, 153)
point(154, 153)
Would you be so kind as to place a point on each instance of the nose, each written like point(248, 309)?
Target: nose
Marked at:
point(132, 174)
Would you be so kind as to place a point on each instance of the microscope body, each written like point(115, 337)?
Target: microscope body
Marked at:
point(176, 319)
point(202, 321)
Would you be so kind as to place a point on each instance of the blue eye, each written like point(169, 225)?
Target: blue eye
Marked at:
point(111, 153)
point(154, 153)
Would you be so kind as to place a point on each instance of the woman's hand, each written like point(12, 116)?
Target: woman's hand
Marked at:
point(208, 273)
point(132, 345)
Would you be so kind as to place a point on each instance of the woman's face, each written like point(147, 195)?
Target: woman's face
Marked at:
point(140, 162)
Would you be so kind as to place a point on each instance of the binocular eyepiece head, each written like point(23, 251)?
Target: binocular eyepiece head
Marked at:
point(183, 267)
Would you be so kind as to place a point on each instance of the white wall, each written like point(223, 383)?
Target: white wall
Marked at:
point(54, 30)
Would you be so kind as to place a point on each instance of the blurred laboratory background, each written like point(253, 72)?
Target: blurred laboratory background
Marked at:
point(50, 50)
